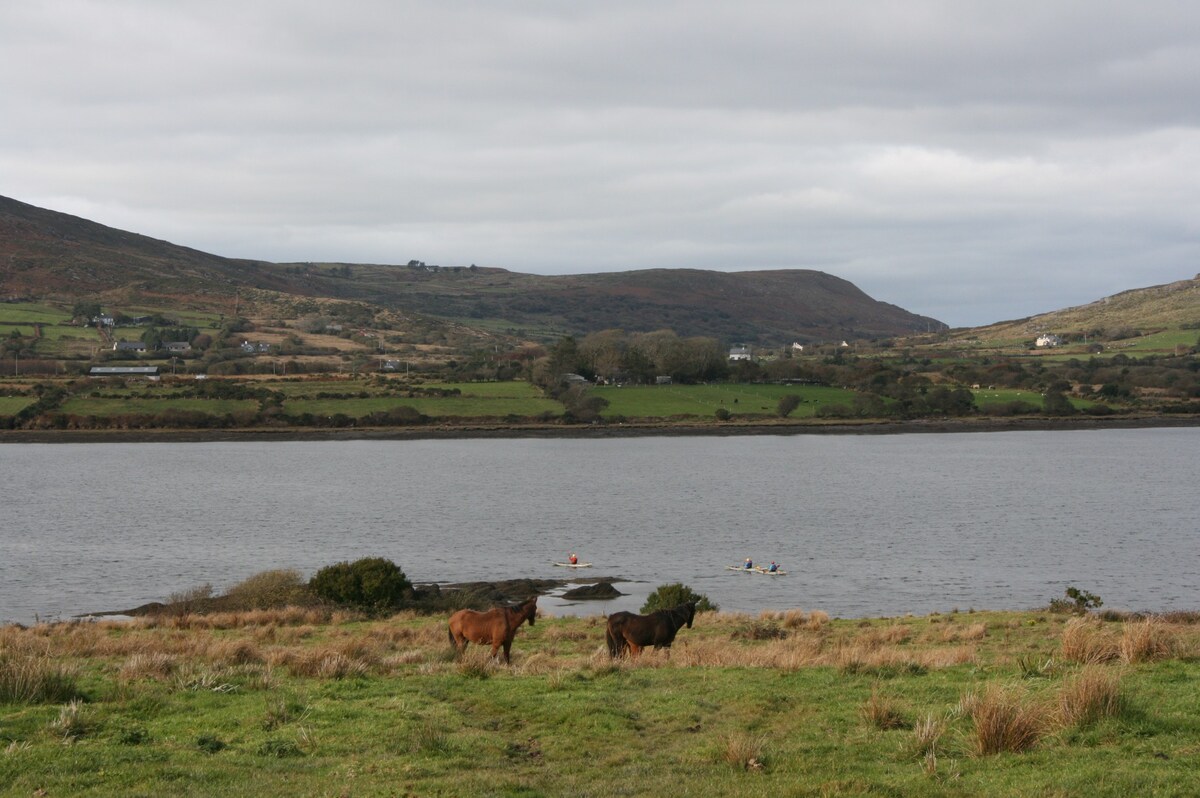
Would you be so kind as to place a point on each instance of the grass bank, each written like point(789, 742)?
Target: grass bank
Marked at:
point(308, 702)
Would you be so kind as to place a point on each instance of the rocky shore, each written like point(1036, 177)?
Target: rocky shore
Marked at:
point(599, 431)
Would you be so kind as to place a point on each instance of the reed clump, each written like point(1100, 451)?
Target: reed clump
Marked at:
point(1005, 720)
point(1090, 696)
point(1086, 641)
point(1147, 640)
point(26, 679)
point(883, 712)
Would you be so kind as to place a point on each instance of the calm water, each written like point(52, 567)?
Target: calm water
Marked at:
point(866, 525)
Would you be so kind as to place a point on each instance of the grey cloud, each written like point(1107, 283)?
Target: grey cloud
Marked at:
point(964, 160)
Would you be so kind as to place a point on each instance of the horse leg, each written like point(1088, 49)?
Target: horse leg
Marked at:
point(507, 657)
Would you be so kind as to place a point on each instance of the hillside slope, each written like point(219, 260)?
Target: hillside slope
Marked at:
point(44, 252)
point(1168, 306)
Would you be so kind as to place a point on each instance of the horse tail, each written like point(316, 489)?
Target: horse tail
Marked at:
point(616, 644)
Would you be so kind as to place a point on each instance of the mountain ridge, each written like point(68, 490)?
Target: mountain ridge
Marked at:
point(47, 252)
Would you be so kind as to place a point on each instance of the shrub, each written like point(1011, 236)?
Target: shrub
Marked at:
point(372, 583)
point(787, 404)
point(667, 596)
point(722, 414)
point(269, 590)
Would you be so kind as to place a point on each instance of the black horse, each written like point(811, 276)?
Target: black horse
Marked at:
point(627, 631)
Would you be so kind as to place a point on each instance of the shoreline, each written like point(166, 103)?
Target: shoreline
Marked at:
point(624, 430)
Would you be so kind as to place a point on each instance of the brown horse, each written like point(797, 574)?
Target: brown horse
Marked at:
point(627, 631)
point(497, 626)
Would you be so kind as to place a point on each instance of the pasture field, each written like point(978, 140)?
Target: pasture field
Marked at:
point(476, 399)
point(307, 702)
point(662, 401)
point(994, 396)
point(11, 405)
point(1164, 342)
point(432, 406)
point(102, 406)
point(23, 330)
point(28, 312)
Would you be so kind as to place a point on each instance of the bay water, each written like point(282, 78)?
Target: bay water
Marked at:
point(865, 525)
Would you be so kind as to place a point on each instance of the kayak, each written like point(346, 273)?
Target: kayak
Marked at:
point(758, 569)
point(574, 564)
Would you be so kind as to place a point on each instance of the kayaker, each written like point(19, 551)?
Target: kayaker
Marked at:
point(573, 559)
point(774, 567)
point(749, 565)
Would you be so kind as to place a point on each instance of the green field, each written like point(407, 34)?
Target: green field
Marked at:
point(11, 405)
point(25, 312)
point(990, 396)
point(89, 406)
point(434, 407)
point(663, 401)
point(296, 704)
point(1164, 341)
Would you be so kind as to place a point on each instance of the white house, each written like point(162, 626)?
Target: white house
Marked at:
point(1048, 339)
point(797, 346)
point(739, 353)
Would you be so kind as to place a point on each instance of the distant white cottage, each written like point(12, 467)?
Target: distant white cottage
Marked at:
point(797, 346)
point(1048, 339)
point(739, 353)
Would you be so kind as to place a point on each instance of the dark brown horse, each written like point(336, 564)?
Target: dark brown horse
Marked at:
point(497, 626)
point(630, 632)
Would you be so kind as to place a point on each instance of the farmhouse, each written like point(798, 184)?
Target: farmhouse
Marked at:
point(129, 346)
point(1048, 339)
point(253, 347)
point(739, 353)
point(175, 347)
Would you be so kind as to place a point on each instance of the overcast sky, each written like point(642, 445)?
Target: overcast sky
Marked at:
point(971, 161)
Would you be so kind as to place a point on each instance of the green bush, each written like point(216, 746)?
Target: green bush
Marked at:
point(787, 404)
point(371, 583)
point(269, 590)
point(667, 596)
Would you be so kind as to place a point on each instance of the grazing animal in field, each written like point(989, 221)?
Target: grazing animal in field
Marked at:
point(496, 627)
point(627, 631)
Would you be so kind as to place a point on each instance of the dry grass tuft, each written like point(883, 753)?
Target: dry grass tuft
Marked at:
point(744, 751)
point(72, 722)
point(235, 652)
point(148, 665)
point(883, 713)
point(35, 679)
point(1148, 640)
point(1005, 720)
point(324, 664)
point(1090, 696)
point(794, 619)
point(1086, 641)
point(926, 741)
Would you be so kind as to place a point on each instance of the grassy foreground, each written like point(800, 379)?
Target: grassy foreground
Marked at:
point(308, 702)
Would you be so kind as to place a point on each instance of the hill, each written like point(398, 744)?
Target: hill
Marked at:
point(44, 252)
point(1173, 305)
